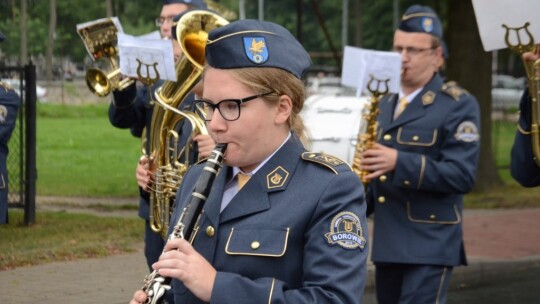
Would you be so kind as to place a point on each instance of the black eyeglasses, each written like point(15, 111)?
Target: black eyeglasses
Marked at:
point(411, 50)
point(161, 20)
point(228, 108)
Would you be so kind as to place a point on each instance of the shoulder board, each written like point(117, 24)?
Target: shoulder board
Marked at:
point(6, 86)
point(454, 90)
point(331, 162)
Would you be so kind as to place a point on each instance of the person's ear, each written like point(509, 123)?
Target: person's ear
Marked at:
point(284, 109)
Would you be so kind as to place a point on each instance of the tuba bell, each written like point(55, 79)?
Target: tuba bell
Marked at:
point(101, 40)
point(169, 160)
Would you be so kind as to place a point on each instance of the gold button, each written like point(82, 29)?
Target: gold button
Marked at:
point(381, 199)
point(407, 183)
point(415, 138)
point(210, 231)
point(387, 137)
point(432, 217)
point(255, 245)
point(382, 178)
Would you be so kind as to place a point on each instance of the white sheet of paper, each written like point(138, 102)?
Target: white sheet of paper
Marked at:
point(360, 66)
point(100, 26)
point(139, 53)
point(492, 14)
point(152, 35)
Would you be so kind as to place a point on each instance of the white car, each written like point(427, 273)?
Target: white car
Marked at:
point(41, 92)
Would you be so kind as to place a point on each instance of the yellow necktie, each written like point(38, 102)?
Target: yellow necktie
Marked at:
point(401, 107)
point(242, 179)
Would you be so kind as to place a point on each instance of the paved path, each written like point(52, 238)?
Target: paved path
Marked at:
point(495, 240)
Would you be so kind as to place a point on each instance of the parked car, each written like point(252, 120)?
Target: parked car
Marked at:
point(506, 91)
point(41, 92)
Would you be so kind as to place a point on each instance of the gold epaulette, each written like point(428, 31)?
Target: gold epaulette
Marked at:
point(454, 90)
point(331, 162)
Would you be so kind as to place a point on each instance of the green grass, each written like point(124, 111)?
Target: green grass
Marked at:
point(59, 236)
point(79, 153)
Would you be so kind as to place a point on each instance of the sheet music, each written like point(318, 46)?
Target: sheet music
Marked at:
point(146, 56)
point(492, 14)
point(361, 65)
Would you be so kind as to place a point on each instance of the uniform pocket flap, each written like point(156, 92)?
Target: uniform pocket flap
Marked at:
point(416, 137)
point(448, 214)
point(259, 241)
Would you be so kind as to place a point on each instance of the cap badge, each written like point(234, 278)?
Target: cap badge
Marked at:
point(427, 24)
point(255, 48)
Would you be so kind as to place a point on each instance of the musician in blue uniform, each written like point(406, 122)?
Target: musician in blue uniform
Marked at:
point(523, 166)
point(296, 231)
point(132, 109)
point(9, 107)
point(424, 162)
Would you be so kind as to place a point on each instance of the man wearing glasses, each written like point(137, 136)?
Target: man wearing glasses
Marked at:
point(132, 109)
point(424, 162)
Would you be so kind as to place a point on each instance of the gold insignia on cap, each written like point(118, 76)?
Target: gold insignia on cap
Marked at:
point(428, 98)
point(276, 178)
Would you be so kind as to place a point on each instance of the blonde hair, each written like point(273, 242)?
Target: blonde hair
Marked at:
point(280, 82)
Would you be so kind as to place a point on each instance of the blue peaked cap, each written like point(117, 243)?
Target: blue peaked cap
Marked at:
point(253, 43)
point(195, 3)
point(423, 19)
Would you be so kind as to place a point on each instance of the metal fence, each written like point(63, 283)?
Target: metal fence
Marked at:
point(21, 161)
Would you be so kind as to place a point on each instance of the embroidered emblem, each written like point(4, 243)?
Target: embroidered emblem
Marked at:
point(428, 98)
point(276, 178)
point(346, 231)
point(427, 24)
point(467, 132)
point(3, 113)
point(256, 50)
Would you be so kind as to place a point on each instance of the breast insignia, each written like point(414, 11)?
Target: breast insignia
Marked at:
point(331, 162)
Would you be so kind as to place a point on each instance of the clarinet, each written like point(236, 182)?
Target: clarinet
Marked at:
point(156, 285)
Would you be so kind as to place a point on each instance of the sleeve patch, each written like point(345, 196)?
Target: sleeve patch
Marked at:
point(346, 231)
point(467, 132)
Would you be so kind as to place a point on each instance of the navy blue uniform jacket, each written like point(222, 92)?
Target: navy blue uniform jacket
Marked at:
point(9, 107)
point(295, 220)
point(522, 165)
point(418, 206)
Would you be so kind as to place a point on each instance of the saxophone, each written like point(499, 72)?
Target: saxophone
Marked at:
point(367, 135)
point(171, 163)
point(186, 227)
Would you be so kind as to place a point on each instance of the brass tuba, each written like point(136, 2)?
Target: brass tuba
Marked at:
point(533, 79)
point(169, 160)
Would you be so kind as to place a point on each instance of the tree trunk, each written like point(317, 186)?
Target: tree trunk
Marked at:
point(50, 42)
point(24, 32)
point(470, 66)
